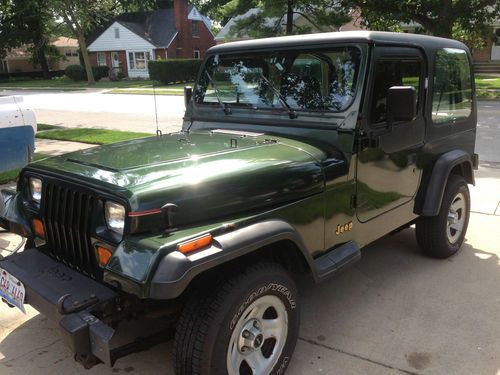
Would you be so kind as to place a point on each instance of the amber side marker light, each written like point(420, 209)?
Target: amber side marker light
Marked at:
point(195, 244)
point(38, 228)
point(104, 255)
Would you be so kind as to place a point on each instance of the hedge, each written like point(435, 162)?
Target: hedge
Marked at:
point(78, 73)
point(174, 70)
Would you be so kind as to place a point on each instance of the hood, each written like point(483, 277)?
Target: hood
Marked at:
point(206, 174)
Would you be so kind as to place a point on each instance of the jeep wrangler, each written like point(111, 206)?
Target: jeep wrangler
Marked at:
point(295, 153)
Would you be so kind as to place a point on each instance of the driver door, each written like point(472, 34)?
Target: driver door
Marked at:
point(387, 171)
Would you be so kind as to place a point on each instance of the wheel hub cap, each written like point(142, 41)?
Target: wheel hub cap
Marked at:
point(258, 337)
point(251, 337)
point(456, 218)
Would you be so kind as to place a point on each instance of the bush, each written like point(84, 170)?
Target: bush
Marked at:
point(174, 70)
point(100, 72)
point(78, 73)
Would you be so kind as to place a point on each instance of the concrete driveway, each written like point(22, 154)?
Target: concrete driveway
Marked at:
point(395, 312)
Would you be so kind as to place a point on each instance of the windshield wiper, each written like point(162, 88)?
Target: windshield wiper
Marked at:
point(225, 107)
point(291, 113)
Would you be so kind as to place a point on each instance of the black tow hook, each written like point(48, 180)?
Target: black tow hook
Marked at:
point(77, 305)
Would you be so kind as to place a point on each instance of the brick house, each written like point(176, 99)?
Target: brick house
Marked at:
point(132, 39)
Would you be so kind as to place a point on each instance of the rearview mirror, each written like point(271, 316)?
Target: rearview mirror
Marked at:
point(401, 103)
point(188, 93)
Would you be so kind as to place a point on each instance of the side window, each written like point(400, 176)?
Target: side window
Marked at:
point(390, 73)
point(452, 95)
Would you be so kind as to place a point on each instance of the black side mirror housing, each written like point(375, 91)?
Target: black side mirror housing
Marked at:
point(401, 103)
point(188, 93)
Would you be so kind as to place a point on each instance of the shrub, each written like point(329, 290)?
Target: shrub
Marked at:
point(78, 73)
point(100, 72)
point(174, 70)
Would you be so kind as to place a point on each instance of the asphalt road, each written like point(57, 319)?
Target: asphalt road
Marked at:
point(94, 108)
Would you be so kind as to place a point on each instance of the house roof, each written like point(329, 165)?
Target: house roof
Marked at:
point(157, 27)
point(64, 41)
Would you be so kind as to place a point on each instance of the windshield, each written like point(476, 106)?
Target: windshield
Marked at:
point(307, 80)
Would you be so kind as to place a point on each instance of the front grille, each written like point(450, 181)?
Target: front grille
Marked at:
point(68, 215)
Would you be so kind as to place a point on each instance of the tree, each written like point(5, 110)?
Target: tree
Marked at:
point(438, 17)
point(81, 16)
point(273, 14)
point(26, 22)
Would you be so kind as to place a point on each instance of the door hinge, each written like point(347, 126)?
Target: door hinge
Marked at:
point(354, 200)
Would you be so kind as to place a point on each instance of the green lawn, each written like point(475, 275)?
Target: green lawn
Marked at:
point(9, 176)
point(93, 136)
point(43, 127)
point(487, 82)
point(66, 83)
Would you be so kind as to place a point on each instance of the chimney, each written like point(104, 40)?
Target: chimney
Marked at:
point(181, 22)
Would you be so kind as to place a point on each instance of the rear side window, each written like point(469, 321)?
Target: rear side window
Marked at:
point(452, 96)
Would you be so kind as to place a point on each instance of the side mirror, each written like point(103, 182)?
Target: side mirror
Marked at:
point(188, 93)
point(401, 103)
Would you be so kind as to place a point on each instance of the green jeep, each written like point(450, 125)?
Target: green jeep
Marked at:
point(295, 152)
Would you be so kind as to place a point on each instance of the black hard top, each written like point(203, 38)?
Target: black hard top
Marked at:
point(309, 40)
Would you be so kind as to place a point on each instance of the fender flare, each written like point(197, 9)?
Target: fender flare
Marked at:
point(429, 199)
point(175, 270)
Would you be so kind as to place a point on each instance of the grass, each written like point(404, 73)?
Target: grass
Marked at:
point(43, 127)
point(68, 84)
point(92, 136)
point(9, 176)
point(487, 82)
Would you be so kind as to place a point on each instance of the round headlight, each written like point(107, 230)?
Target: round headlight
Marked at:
point(115, 216)
point(35, 189)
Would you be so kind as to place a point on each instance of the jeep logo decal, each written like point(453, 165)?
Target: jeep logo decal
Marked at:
point(342, 228)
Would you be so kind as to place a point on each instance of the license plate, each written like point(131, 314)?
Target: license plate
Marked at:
point(12, 290)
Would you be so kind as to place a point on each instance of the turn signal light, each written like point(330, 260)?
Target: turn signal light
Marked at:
point(104, 255)
point(38, 228)
point(195, 244)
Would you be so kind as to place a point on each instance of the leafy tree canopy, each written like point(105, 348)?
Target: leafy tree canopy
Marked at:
point(276, 17)
point(467, 20)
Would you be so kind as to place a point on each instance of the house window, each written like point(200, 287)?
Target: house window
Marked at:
point(101, 59)
point(117, 33)
point(195, 28)
point(196, 54)
point(139, 60)
point(68, 54)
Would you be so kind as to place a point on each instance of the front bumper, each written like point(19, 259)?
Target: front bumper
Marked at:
point(68, 298)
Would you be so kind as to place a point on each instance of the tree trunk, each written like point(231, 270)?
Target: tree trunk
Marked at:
point(289, 17)
point(42, 60)
point(85, 54)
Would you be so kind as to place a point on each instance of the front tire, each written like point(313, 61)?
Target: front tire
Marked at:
point(248, 324)
point(442, 236)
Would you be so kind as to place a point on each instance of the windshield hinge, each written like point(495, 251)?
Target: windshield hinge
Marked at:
point(354, 201)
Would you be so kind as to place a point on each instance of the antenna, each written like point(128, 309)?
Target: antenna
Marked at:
point(158, 131)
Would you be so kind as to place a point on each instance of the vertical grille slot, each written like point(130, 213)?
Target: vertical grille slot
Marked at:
point(68, 214)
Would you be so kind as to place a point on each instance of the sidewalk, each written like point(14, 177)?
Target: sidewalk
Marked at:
point(54, 147)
